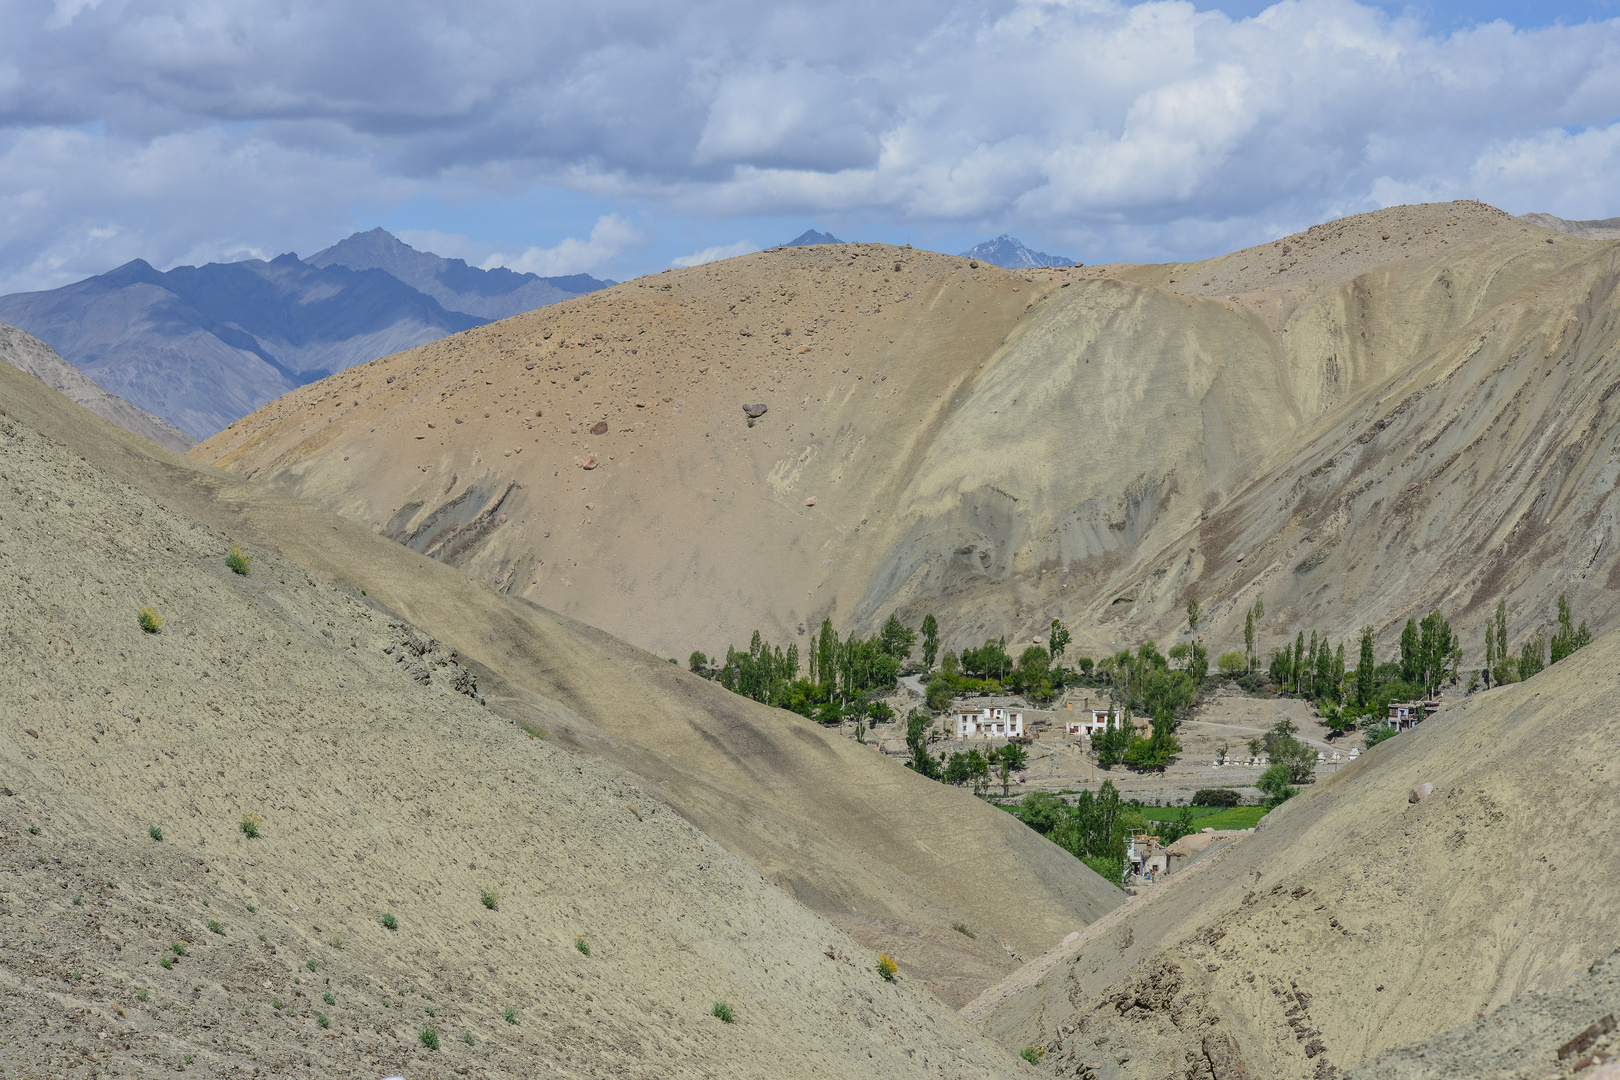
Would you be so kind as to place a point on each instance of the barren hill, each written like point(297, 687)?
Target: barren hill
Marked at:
point(27, 353)
point(1354, 920)
point(1002, 448)
point(895, 858)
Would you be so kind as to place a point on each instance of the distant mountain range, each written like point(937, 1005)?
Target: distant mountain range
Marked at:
point(810, 236)
point(201, 347)
point(1010, 253)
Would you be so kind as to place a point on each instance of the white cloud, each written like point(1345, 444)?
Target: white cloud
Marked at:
point(196, 128)
point(611, 234)
point(715, 254)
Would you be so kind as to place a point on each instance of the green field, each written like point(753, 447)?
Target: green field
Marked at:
point(1209, 817)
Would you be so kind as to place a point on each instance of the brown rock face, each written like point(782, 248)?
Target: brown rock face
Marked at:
point(599, 428)
point(1419, 793)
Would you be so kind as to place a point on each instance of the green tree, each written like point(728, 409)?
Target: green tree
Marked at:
point(1198, 663)
point(1566, 639)
point(917, 726)
point(1182, 826)
point(939, 692)
point(1192, 614)
point(930, 640)
point(827, 658)
point(1014, 754)
point(1366, 669)
point(1248, 637)
point(898, 638)
point(1436, 645)
point(1274, 784)
point(1490, 652)
point(1533, 657)
point(697, 662)
point(1298, 668)
point(1057, 640)
point(1412, 659)
point(1033, 676)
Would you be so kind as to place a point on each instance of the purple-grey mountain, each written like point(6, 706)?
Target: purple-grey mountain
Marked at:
point(1010, 253)
point(202, 346)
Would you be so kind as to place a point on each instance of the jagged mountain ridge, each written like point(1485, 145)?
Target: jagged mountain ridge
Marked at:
point(201, 346)
point(811, 236)
point(489, 294)
point(1009, 253)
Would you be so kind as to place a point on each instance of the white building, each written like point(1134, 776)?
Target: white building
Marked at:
point(1091, 722)
point(988, 723)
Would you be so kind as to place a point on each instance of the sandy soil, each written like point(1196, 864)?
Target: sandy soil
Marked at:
point(287, 694)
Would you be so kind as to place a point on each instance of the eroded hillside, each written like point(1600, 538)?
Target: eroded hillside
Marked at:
point(1355, 920)
point(1000, 449)
point(145, 932)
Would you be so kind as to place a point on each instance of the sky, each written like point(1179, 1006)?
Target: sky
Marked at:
point(621, 137)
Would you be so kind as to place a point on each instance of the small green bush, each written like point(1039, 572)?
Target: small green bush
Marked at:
point(179, 947)
point(150, 620)
point(33, 830)
point(251, 909)
point(429, 1038)
point(275, 1005)
point(467, 1037)
point(238, 560)
point(334, 942)
point(489, 899)
point(538, 733)
point(1032, 1054)
point(78, 901)
point(1216, 797)
point(328, 998)
point(77, 975)
point(251, 823)
point(141, 994)
point(961, 928)
point(190, 1059)
point(389, 922)
point(167, 962)
point(721, 1010)
point(510, 1015)
point(887, 967)
point(310, 964)
point(213, 924)
point(323, 1020)
point(582, 945)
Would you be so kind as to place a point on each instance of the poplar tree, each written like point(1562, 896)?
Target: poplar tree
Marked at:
point(1364, 669)
point(930, 641)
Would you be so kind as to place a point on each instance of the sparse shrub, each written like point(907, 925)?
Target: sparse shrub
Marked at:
point(141, 994)
point(510, 1015)
point(538, 733)
point(389, 922)
point(887, 967)
point(238, 560)
point(179, 947)
point(323, 1020)
point(33, 830)
point(721, 1010)
point(167, 962)
point(251, 823)
point(190, 1059)
point(310, 964)
point(213, 924)
point(263, 938)
point(961, 928)
point(328, 998)
point(150, 620)
point(205, 902)
point(489, 899)
point(1032, 1054)
point(1216, 797)
point(275, 1005)
point(467, 1037)
point(430, 1011)
point(429, 1038)
point(251, 909)
point(77, 975)
point(334, 942)
point(581, 944)
point(78, 901)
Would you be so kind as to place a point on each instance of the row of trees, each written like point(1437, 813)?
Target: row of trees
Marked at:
point(1501, 666)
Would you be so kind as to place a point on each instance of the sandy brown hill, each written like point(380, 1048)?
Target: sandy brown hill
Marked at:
point(1094, 446)
point(145, 932)
point(896, 859)
point(1355, 921)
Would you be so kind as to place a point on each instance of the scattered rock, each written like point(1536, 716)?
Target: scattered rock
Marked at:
point(1240, 556)
point(802, 349)
point(589, 463)
point(1419, 793)
point(599, 428)
point(811, 501)
point(755, 411)
point(972, 265)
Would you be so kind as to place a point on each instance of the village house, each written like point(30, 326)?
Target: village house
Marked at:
point(988, 723)
point(1090, 722)
point(1409, 714)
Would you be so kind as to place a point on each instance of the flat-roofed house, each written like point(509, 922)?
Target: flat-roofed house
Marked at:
point(988, 723)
